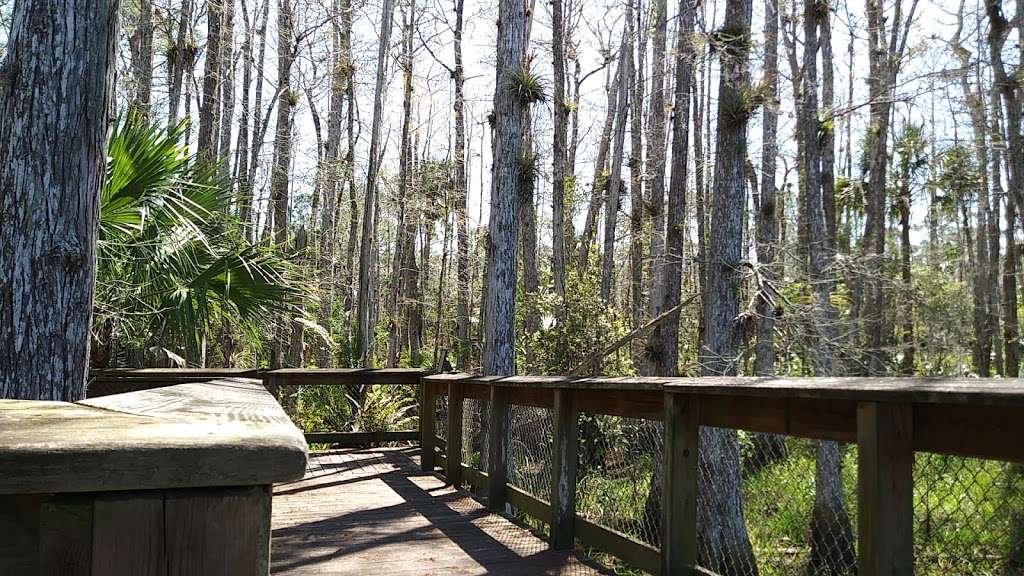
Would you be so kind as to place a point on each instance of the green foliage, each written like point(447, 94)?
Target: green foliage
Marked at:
point(526, 86)
point(355, 408)
point(171, 261)
point(586, 325)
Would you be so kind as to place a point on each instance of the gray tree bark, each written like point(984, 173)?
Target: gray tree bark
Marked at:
point(462, 304)
point(141, 43)
point(558, 150)
point(281, 166)
point(209, 112)
point(723, 541)
point(506, 179)
point(364, 323)
point(611, 204)
point(55, 106)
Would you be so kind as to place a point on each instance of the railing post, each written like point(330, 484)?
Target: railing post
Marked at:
point(453, 444)
point(497, 450)
point(679, 485)
point(427, 405)
point(563, 471)
point(886, 488)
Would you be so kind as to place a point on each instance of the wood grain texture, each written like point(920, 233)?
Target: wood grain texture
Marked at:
point(218, 532)
point(679, 513)
point(428, 400)
point(222, 433)
point(66, 536)
point(128, 535)
point(885, 489)
point(564, 464)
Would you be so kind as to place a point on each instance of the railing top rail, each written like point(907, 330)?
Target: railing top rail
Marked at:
point(965, 391)
point(327, 376)
point(150, 372)
point(228, 432)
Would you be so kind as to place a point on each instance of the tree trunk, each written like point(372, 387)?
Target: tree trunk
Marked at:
point(600, 183)
point(210, 111)
point(509, 127)
point(831, 530)
point(656, 155)
point(333, 181)
point(404, 255)
point(461, 197)
point(636, 201)
point(227, 74)
point(279, 176)
point(364, 323)
point(722, 536)
point(179, 59)
point(56, 106)
point(247, 214)
point(141, 44)
point(611, 204)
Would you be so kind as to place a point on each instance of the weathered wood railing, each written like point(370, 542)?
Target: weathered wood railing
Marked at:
point(172, 480)
point(888, 419)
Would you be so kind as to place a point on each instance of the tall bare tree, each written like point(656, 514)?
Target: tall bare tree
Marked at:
point(509, 121)
point(723, 540)
point(364, 321)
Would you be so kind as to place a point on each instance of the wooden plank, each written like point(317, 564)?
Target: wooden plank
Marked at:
point(885, 489)
point(966, 391)
point(973, 431)
point(345, 439)
point(228, 432)
point(128, 535)
point(528, 503)
point(19, 533)
point(497, 435)
point(342, 376)
point(629, 550)
point(218, 532)
point(824, 419)
point(563, 471)
point(453, 446)
point(66, 536)
point(428, 403)
point(679, 508)
point(628, 403)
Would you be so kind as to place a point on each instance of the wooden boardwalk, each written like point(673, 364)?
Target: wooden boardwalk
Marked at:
point(372, 512)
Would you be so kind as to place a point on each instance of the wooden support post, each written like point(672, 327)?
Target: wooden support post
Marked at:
point(563, 471)
point(428, 401)
point(679, 485)
point(497, 450)
point(453, 444)
point(886, 489)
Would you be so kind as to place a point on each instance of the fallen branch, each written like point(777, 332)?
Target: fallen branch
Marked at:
point(596, 357)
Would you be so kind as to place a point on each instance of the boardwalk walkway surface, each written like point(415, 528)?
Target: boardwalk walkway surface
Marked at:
point(372, 512)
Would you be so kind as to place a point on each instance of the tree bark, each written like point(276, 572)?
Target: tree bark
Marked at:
point(614, 186)
point(656, 154)
point(600, 183)
point(364, 324)
point(636, 167)
point(179, 59)
point(461, 197)
point(509, 127)
point(209, 112)
point(55, 105)
point(141, 43)
point(722, 536)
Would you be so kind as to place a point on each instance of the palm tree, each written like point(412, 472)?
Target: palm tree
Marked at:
point(172, 262)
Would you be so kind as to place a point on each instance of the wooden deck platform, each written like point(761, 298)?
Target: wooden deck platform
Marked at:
point(372, 512)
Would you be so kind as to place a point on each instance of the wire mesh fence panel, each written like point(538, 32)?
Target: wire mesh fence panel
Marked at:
point(530, 431)
point(476, 415)
point(798, 517)
point(441, 418)
point(619, 474)
point(968, 516)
